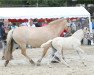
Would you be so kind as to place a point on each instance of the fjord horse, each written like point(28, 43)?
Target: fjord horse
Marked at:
point(33, 36)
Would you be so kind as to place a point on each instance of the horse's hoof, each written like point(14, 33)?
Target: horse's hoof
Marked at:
point(85, 65)
point(57, 58)
point(68, 66)
point(50, 66)
point(32, 62)
point(38, 64)
point(3, 58)
point(6, 63)
point(54, 62)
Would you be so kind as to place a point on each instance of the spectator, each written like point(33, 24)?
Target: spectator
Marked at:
point(73, 26)
point(86, 40)
point(31, 24)
point(66, 32)
point(1, 29)
point(44, 23)
point(24, 24)
point(63, 33)
point(13, 26)
point(37, 24)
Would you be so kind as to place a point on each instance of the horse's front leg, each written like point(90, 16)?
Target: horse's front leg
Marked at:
point(78, 50)
point(62, 61)
point(23, 51)
point(7, 57)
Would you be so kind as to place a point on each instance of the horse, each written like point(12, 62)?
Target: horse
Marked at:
point(61, 43)
point(33, 36)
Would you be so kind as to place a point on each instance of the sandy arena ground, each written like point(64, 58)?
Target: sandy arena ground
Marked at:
point(21, 66)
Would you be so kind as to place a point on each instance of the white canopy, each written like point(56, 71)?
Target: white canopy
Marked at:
point(43, 12)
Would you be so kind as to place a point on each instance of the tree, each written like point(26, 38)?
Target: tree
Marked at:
point(10, 2)
point(44, 3)
point(39, 3)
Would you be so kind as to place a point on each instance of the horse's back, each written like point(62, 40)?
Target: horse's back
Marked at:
point(22, 34)
point(33, 36)
point(66, 42)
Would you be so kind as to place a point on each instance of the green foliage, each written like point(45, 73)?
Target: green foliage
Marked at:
point(50, 3)
point(85, 1)
point(11, 2)
point(33, 2)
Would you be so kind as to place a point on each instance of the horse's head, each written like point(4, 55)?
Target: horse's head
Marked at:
point(87, 33)
point(86, 30)
point(66, 24)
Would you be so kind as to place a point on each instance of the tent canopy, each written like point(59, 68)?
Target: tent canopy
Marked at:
point(43, 12)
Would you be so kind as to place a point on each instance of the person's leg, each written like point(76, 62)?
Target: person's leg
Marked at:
point(88, 42)
point(0, 34)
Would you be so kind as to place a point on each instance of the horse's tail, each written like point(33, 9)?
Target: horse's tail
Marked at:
point(47, 44)
point(9, 48)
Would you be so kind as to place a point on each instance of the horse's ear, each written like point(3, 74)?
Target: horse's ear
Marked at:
point(85, 28)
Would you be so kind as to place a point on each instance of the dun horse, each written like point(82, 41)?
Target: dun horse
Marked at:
point(61, 43)
point(33, 36)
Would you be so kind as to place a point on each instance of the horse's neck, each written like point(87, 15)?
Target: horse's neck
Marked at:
point(78, 35)
point(57, 29)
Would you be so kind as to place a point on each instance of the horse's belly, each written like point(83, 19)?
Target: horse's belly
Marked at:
point(70, 45)
point(66, 45)
point(35, 44)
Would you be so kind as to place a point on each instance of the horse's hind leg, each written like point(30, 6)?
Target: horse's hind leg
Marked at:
point(55, 58)
point(63, 55)
point(45, 49)
point(77, 50)
point(59, 54)
point(23, 51)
